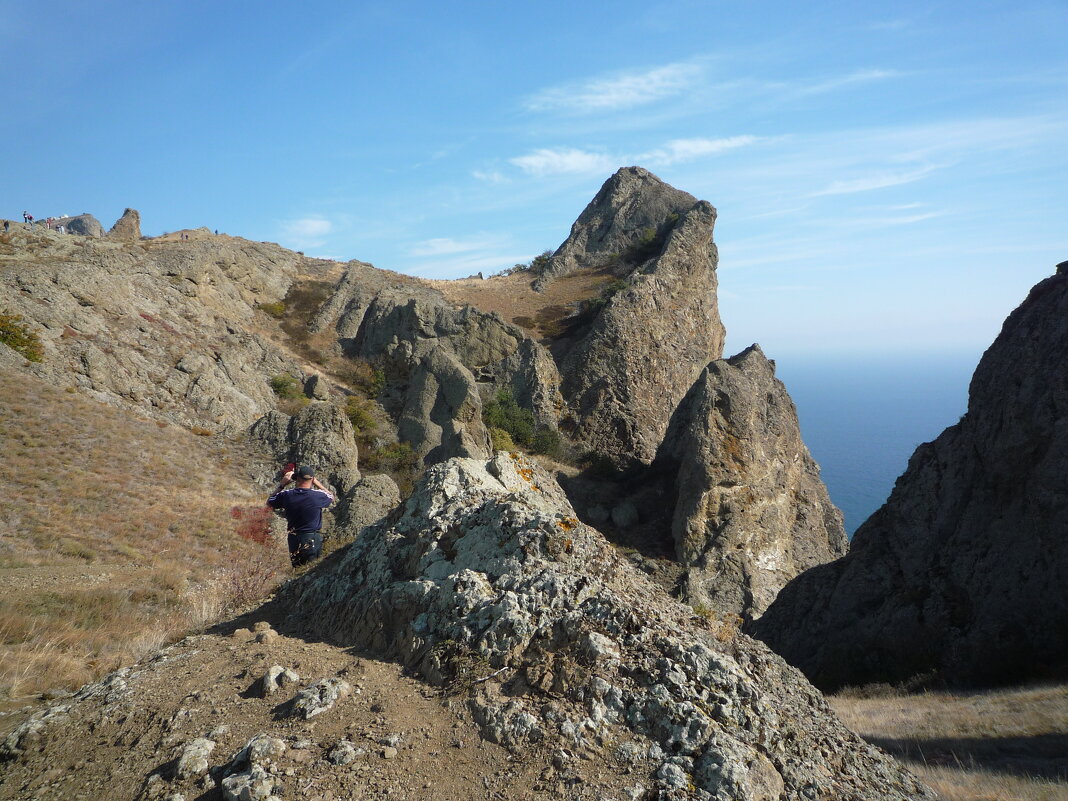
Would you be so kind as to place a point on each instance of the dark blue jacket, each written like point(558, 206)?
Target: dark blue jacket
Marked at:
point(303, 508)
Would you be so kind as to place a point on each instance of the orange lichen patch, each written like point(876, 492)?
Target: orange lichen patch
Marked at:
point(567, 523)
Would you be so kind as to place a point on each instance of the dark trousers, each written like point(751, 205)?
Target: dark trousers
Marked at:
point(304, 547)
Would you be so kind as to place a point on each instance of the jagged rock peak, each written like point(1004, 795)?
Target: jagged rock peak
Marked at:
point(751, 510)
point(127, 227)
point(486, 564)
point(629, 205)
point(961, 573)
point(660, 325)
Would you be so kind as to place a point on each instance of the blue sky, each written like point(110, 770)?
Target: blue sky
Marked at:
point(889, 178)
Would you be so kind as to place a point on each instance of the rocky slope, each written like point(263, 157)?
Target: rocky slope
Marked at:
point(751, 511)
point(960, 574)
point(167, 328)
point(485, 583)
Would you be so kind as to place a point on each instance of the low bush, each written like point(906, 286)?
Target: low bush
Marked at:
point(394, 457)
point(505, 416)
point(286, 387)
point(358, 411)
point(365, 378)
point(501, 440)
point(276, 309)
point(18, 336)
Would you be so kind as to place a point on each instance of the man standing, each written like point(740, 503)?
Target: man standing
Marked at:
point(303, 507)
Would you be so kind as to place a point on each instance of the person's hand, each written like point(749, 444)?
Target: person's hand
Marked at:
point(287, 476)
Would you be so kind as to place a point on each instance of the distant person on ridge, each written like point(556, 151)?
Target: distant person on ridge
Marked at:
point(303, 507)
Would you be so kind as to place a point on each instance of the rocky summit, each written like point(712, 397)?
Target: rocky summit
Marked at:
point(959, 577)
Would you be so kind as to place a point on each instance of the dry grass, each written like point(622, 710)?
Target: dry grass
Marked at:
point(989, 746)
point(511, 297)
point(116, 535)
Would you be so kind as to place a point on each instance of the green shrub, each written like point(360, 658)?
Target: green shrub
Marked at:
point(394, 457)
point(286, 387)
point(358, 411)
point(17, 335)
point(276, 309)
point(504, 413)
point(501, 440)
point(510, 423)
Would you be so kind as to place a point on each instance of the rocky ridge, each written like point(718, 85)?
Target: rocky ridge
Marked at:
point(959, 576)
point(485, 577)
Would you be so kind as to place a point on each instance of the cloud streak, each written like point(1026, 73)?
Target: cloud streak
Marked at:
point(871, 182)
point(310, 231)
point(619, 91)
point(549, 161)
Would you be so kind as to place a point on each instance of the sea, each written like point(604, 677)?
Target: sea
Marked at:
point(862, 417)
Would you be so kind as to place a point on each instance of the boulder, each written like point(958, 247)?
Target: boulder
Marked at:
point(751, 511)
point(127, 227)
point(83, 225)
point(373, 497)
point(319, 435)
point(960, 575)
point(486, 580)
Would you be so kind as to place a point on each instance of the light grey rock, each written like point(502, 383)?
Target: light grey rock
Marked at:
point(317, 388)
point(275, 679)
point(83, 225)
point(319, 697)
point(486, 562)
point(344, 753)
point(751, 511)
point(961, 573)
point(194, 759)
point(254, 784)
point(127, 227)
point(258, 750)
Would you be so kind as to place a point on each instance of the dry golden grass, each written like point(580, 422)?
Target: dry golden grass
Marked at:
point(989, 746)
point(116, 535)
point(512, 297)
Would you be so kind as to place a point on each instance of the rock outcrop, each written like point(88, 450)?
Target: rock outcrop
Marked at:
point(751, 511)
point(961, 573)
point(441, 362)
point(127, 227)
point(627, 372)
point(485, 577)
point(82, 225)
point(319, 435)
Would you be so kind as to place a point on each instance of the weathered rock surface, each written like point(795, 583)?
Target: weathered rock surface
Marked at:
point(624, 377)
point(127, 227)
point(369, 501)
point(961, 572)
point(319, 435)
point(161, 327)
point(487, 579)
point(751, 510)
point(83, 225)
point(441, 361)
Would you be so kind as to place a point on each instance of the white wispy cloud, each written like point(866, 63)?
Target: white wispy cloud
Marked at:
point(307, 231)
point(833, 84)
point(876, 181)
point(445, 246)
point(618, 91)
point(688, 149)
point(548, 161)
point(490, 176)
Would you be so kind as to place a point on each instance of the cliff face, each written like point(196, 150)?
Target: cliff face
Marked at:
point(961, 572)
point(751, 511)
point(626, 374)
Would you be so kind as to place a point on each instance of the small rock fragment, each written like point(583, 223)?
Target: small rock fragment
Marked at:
point(319, 697)
point(344, 753)
point(276, 678)
point(389, 752)
point(194, 759)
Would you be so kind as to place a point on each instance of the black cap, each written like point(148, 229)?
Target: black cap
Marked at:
point(304, 472)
